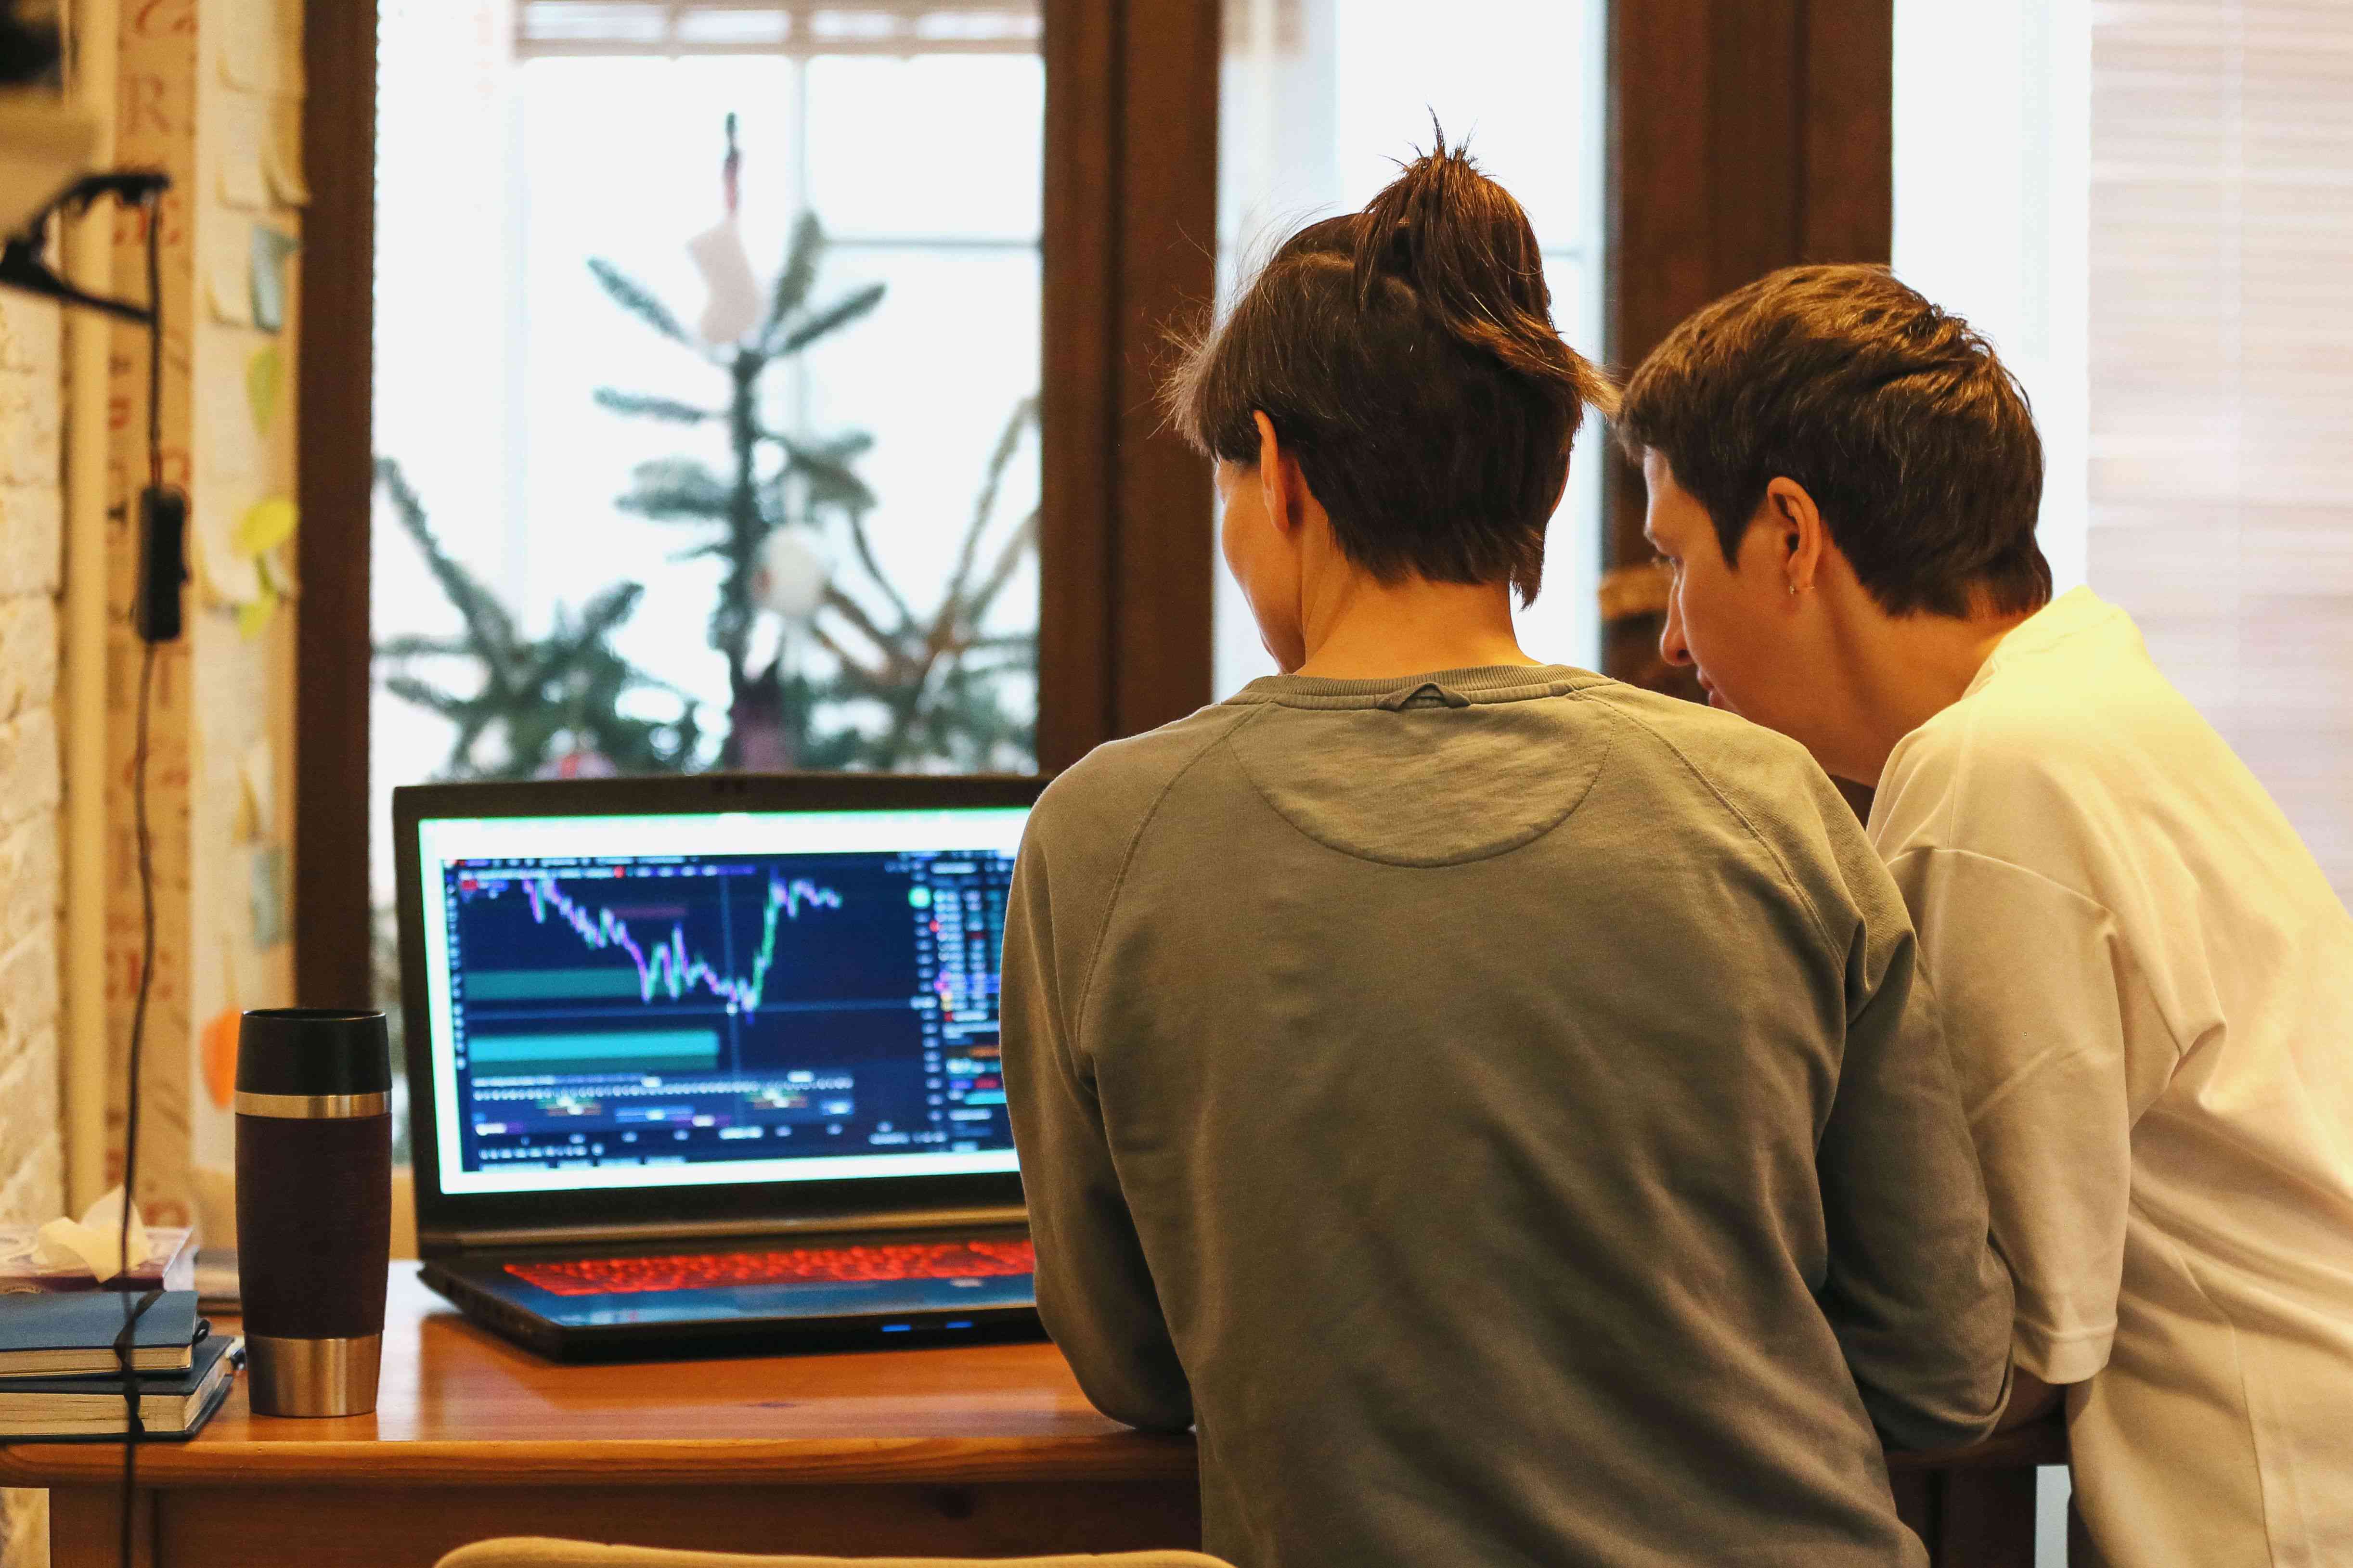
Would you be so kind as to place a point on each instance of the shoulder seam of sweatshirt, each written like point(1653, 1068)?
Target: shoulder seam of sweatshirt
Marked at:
point(1780, 866)
point(1127, 861)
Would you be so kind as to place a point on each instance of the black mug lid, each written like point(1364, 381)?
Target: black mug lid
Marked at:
point(312, 1050)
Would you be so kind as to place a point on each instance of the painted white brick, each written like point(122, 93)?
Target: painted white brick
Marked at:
point(31, 411)
point(32, 538)
point(30, 889)
point(29, 1001)
point(32, 337)
point(29, 1132)
point(32, 1160)
point(28, 765)
point(28, 653)
point(28, 1127)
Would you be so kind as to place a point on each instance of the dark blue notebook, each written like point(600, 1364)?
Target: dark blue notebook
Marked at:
point(173, 1404)
point(68, 1333)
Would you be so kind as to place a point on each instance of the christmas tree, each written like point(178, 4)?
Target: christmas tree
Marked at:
point(925, 683)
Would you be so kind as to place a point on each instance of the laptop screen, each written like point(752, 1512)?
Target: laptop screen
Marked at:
point(678, 1000)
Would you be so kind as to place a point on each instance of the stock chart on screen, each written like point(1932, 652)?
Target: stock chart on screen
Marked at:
point(665, 1010)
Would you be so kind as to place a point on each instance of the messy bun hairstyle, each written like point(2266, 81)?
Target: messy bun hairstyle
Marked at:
point(1406, 354)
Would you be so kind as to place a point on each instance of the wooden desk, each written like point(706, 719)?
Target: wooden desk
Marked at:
point(986, 1450)
point(1974, 1506)
point(989, 1451)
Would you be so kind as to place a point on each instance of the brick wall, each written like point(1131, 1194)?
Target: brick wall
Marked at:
point(32, 1180)
point(32, 1155)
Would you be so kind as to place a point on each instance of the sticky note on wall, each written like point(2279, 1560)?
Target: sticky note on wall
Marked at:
point(228, 285)
point(270, 249)
point(243, 149)
point(249, 44)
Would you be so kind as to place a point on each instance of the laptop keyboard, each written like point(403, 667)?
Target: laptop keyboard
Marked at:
point(796, 1266)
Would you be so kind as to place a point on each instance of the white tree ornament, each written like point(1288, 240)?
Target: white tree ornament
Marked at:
point(792, 575)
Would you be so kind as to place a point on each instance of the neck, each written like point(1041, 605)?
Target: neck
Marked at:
point(1901, 672)
point(1359, 629)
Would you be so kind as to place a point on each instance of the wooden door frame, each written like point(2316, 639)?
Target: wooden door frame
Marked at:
point(334, 484)
point(1127, 561)
point(1762, 136)
point(1125, 539)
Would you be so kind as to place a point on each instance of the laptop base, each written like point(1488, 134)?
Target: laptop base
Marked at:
point(767, 1321)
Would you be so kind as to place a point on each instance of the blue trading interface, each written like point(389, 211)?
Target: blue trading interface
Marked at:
point(669, 1010)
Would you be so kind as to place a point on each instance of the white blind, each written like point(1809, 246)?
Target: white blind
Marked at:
point(2221, 373)
point(777, 27)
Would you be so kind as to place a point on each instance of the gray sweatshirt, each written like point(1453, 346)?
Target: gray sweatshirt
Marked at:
point(1497, 1109)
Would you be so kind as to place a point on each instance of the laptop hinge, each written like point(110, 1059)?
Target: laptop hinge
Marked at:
point(445, 1241)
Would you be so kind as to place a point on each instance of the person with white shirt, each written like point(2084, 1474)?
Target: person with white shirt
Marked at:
point(2146, 980)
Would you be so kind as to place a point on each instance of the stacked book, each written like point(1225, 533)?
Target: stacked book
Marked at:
point(60, 1378)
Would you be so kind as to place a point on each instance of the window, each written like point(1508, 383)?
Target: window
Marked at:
point(1994, 100)
point(706, 363)
point(1322, 99)
point(2149, 217)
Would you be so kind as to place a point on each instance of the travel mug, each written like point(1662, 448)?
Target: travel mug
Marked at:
point(314, 1206)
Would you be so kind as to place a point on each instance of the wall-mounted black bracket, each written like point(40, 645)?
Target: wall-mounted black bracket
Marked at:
point(21, 266)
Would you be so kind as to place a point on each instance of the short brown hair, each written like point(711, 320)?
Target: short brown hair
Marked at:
point(1912, 436)
point(1407, 354)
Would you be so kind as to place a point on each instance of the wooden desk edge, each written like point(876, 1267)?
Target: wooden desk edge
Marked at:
point(621, 1463)
point(741, 1461)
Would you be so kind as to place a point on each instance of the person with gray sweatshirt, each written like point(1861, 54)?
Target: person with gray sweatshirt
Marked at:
point(1493, 1105)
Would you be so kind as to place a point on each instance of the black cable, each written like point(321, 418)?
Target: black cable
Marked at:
point(125, 1346)
point(155, 342)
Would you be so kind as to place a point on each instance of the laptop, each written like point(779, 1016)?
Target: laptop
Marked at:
point(709, 1065)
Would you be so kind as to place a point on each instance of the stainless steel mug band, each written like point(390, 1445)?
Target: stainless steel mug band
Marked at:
point(312, 1107)
point(313, 1377)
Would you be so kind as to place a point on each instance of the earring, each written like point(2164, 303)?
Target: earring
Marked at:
point(1793, 590)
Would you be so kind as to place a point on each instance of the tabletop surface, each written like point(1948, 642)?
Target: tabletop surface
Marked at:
point(457, 1403)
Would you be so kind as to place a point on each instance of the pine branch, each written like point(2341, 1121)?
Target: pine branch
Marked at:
point(639, 300)
point(864, 546)
point(830, 481)
point(1000, 457)
point(797, 278)
point(408, 689)
point(1001, 572)
point(851, 610)
point(652, 408)
point(568, 646)
point(493, 630)
point(860, 681)
point(407, 647)
point(832, 318)
point(669, 489)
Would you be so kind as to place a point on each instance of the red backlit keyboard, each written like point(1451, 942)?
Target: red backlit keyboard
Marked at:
point(800, 1266)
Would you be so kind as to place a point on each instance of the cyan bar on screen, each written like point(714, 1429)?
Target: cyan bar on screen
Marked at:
point(547, 984)
point(679, 1051)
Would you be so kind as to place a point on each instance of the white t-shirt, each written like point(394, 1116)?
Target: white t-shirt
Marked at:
point(2147, 986)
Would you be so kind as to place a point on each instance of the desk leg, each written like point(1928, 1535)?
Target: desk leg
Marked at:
point(1987, 1520)
point(86, 1523)
point(1970, 1517)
